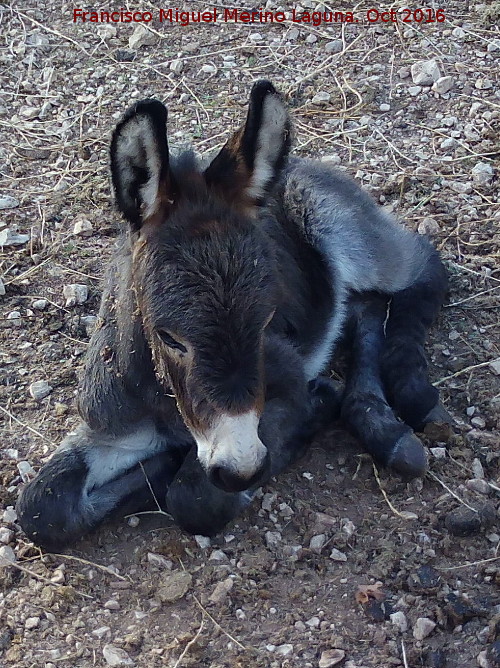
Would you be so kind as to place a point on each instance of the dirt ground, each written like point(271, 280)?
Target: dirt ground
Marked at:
point(281, 587)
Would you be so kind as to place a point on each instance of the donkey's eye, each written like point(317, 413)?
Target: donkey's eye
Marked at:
point(169, 340)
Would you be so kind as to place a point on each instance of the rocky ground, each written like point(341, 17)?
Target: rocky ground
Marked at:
point(334, 564)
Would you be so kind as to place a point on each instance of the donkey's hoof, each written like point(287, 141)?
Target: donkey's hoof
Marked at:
point(437, 425)
point(408, 457)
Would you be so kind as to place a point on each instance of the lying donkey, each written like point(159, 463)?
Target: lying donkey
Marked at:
point(222, 307)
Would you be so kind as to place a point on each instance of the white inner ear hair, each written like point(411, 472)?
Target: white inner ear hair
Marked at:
point(136, 147)
point(270, 141)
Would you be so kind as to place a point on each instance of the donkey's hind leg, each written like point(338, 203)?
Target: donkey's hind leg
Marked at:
point(403, 362)
point(364, 407)
point(90, 476)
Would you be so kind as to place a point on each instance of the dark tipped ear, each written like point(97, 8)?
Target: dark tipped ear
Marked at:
point(139, 162)
point(250, 163)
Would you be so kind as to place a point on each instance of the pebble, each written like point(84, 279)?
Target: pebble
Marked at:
point(112, 604)
point(385, 107)
point(31, 623)
point(133, 521)
point(293, 34)
point(482, 660)
point(321, 98)
point(398, 619)
point(333, 159)
point(482, 174)
point(311, 39)
point(255, 37)
point(478, 485)
point(313, 623)
point(443, 85)
point(8, 202)
point(26, 471)
point(101, 631)
point(176, 66)
point(414, 90)
point(221, 590)
point(40, 389)
point(460, 188)
point(331, 657)
point(82, 228)
point(9, 515)
point(458, 33)
point(494, 45)
point(272, 539)
point(89, 322)
point(6, 535)
point(115, 656)
point(159, 560)
point(218, 555)
point(7, 555)
point(284, 650)
point(495, 366)
point(175, 586)
point(425, 72)
point(483, 84)
point(141, 37)
point(2, 288)
point(209, 69)
point(317, 543)
point(478, 422)
point(335, 46)
point(76, 293)
point(337, 555)
point(10, 238)
point(39, 304)
point(203, 542)
point(428, 226)
point(423, 628)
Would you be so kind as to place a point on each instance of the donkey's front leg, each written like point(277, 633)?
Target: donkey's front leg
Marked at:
point(91, 475)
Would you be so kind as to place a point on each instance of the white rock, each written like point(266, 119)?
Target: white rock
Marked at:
point(331, 657)
point(255, 37)
point(40, 389)
point(438, 453)
point(101, 632)
point(313, 623)
point(482, 174)
point(272, 539)
point(133, 521)
point(321, 98)
point(333, 159)
point(385, 107)
point(209, 69)
point(31, 623)
point(89, 322)
point(478, 485)
point(293, 34)
point(423, 628)
point(482, 660)
point(458, 33)
point(428, 226)
point(443, 85)
point(494, 45)
point(337, 555)
point(9, 515)
point(39, 304)
point(112, 604)
point(284, 650)
point(106, 31)
point(2, 288)
point(6, 535)
point(399, 620)
point(82, 228)
point(203, 541)
point(8, 202)
point(218, 555)
point(425, 72)
point(414, 90)
point(311, 39)
point(347, 526)
point(26, 471)
point(221, 590)
point(159, 560)
point(483, 84)
point(478, 422)
point(141, 37)
point(448, 143)
point(317, 543)
point(495, 366)
point(460, 188)
point(176, 66)
point(7, 555)
point(75, 293)
point(115, 656)
point(477, 469)
point(10, 238)
point(336, 46)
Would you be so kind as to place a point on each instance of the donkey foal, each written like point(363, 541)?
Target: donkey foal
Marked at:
point(222, 308)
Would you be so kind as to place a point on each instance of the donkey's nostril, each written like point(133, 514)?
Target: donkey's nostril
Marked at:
point(227, 480)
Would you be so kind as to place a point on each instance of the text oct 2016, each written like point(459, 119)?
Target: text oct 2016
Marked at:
point(234, 15)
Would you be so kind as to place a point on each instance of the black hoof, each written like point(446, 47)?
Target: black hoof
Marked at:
point(408, 457)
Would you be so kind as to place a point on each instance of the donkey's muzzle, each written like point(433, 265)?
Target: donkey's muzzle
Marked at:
point(229, 480)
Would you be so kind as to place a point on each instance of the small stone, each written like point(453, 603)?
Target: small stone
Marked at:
point(398, 619)
point(209, 69)
point(272, 538)
point(443, 85)
point(31, 623)
point(133, 521)
point(26, 471)
point(75, 293)
point(10, 238)
point(478, 422)
point(40, 389)
point(6, 535)
point(40, 304)
point(331, 657)
point(218, 555)
point(317, 543)
point(89, 322)
point(482, 660)
point(101, 632)
point(478, 485)
point(414, 90)
point(2, 288)
point(159, 560)
point(385, 107)
point(333, 159)
point(460, 188)
point(9, 515)
point(8, 202)
point(203, 542)
point(115, 656)
point(284, 650)
point(425, 72)
point(313, 623)
point(483, 84)
point(321, 98)
point(82, 228)
point(293, 34)
point(175, 586)
point(448, 144)
point(458, 33)
point(15, 317)
point(428, 226)
point(494, 45)
point(112, 604)
point(423, 628)
point(141, 37)
point(7, 555)
point(267, 502)
point(335, 46)
point(482, 174)
point(495, 366)
point(311, 39)
point(255, 37)
point(221, 590)
point(337, 555)
point(176, 66)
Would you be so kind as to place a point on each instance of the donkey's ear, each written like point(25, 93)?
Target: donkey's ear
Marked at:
point(250, 163)
point(139, 163)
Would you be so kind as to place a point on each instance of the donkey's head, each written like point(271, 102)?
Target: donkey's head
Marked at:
point(204, 273)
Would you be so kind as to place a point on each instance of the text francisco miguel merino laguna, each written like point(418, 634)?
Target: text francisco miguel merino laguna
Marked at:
point(214, 15)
